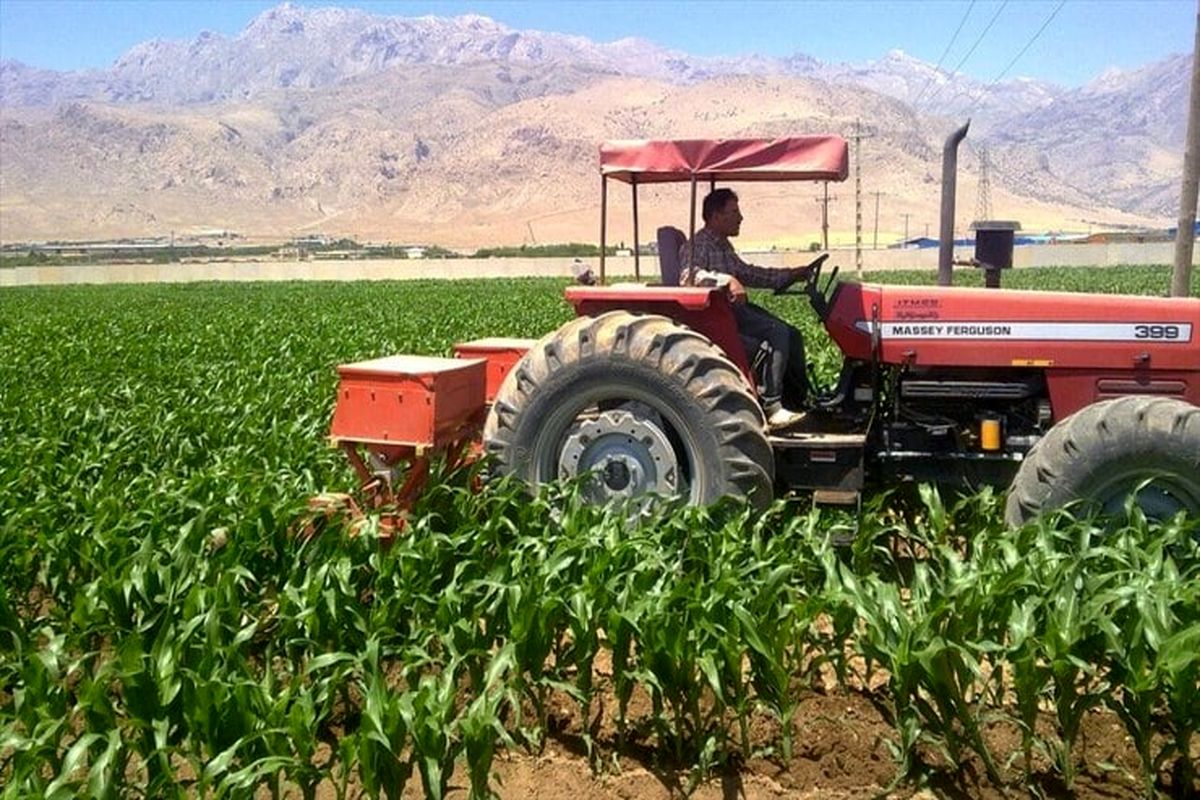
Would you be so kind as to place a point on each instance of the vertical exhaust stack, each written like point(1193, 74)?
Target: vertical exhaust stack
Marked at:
point(949, 182)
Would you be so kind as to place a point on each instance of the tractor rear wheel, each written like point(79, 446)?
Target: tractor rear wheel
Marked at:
point(641, 404)
point(1105, 452)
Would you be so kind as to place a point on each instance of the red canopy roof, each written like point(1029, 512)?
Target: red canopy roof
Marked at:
point(796, 158)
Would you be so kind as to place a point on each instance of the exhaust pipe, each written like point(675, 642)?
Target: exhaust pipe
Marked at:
point(949, 181)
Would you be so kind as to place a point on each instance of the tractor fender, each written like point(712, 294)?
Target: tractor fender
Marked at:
point(704, 309)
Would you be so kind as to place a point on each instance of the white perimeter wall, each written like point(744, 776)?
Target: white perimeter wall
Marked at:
point(1103, 255)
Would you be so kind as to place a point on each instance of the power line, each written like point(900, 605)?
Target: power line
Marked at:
point(991, 22)
point(945, 52)
point(1017, 57)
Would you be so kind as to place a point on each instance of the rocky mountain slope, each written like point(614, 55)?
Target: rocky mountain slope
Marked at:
point(464, 132)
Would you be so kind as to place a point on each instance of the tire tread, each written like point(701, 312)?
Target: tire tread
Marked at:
point(686, 357)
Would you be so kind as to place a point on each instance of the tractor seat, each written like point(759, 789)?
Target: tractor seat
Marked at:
point(669, 241)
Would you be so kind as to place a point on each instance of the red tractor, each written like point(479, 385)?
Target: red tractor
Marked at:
point(1061, 397)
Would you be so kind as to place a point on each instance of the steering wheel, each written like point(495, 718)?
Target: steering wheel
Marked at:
point(811, 281)
point(814, 273)
point(812, 287)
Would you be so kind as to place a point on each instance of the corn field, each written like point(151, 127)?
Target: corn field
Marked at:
point(165, 633)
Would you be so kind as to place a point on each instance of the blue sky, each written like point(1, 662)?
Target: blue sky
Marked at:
point(1078, 41)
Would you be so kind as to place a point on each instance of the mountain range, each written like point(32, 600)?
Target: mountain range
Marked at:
point(465, 132)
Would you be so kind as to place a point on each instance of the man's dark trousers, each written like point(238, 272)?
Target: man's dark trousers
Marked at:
point(786, 362)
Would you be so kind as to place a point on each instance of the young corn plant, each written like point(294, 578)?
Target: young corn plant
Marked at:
point(1030, 675)
point(480, 726)
point(428, 710)
point(1178, 673)
point(589, 594)
point(380, 743)
point(689, 645)
point(30, 741)
point(776, 615)
point(1070, 641)
point(924, 631)
point(1148, 608)
point(534, 611)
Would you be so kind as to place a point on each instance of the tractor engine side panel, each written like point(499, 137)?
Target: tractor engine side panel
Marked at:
point(1071, 390)
point(1060, 330)
point(1090, 347)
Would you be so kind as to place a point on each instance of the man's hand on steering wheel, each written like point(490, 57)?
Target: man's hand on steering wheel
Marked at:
point(790, 277)
point(808, 275)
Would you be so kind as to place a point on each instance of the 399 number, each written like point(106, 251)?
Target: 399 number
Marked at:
point(1156, 331)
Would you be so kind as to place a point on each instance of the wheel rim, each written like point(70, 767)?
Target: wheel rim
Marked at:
point(1160, 496)
point(625, 454)
point(667, 463)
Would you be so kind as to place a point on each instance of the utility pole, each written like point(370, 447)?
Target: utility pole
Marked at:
point(875, 239)
point(858, 199)
point(906, 216)
point(825, 200)
point(1185, 234)
point(858, 137)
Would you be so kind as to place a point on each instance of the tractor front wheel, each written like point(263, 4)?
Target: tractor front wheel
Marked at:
point(636, 406)
point(1108, 451)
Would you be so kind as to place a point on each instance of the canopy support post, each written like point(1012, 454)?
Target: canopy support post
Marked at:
point(692, 232)
point(603, 222)
point(637, 264)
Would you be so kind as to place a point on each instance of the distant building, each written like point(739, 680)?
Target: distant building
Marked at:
point(916, 243)
point(1195, 230)
point(292, 253)
point(1114, 237)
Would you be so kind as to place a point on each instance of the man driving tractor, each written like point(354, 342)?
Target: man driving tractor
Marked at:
point(710, 260)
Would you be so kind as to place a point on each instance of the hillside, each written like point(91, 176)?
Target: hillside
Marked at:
point(463, 132)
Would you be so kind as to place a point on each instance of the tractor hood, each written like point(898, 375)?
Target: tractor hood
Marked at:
point(947, 326)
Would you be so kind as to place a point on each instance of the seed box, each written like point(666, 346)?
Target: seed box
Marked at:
point(417, 401)
point(502, 355)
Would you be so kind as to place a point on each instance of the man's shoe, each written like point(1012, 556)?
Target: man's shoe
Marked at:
point(782, 419)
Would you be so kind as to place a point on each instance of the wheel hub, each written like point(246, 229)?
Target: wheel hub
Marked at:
point(626, 454)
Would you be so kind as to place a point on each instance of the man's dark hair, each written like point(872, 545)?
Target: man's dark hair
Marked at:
point(716, 200)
